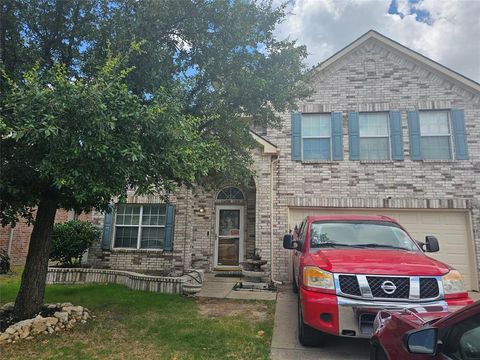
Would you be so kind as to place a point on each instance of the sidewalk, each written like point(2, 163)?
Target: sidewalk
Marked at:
point(285, 345)
point(222, 288)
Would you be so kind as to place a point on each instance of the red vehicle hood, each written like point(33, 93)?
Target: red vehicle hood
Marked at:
point(377, 262)
point(425, 318)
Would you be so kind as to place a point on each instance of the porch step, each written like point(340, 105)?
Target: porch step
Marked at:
point(230, 274)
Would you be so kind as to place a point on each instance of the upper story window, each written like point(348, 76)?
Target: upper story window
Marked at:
point(316, 137)
point(435, 135)
point(140, 226)
point(438, 135)
point(374, 136)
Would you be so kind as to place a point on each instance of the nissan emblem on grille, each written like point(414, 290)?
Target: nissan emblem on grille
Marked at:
point(388, 287)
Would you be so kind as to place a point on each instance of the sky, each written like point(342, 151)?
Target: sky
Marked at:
point(447, 31)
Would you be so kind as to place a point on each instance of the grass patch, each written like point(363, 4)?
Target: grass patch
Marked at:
point(141, 325)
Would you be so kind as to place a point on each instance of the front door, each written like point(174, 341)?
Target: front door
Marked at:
point(230, 230)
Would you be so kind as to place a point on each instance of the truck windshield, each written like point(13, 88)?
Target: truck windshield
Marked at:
point(362, 234)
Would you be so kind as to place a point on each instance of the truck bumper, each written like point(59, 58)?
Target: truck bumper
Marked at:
point(342, 316)
point(356, 316)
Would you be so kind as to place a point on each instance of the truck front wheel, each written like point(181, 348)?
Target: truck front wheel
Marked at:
point(307, 335)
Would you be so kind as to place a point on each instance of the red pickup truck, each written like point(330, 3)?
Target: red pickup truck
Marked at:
point(346, 268)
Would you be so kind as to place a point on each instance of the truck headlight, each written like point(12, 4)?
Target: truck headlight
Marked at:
point(453, 283)
point(317, 278)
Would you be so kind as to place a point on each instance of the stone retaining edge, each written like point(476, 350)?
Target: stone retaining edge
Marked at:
point(133, 280)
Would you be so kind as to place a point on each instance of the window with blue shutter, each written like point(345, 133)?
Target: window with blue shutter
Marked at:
point(353, 136)
point(337, 136)
point(396, 135)
point(107, 230)
point(414, 136)
point(437, 135)
point(146, 226)
point(460, 134)
point(296, 136)
point(170, 227)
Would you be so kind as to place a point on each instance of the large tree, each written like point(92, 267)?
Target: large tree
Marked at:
point(172, 105)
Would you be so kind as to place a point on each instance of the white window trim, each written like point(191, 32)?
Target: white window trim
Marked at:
point(450, 134)
point(318, 137)
point(389, 136)
point(139, 226)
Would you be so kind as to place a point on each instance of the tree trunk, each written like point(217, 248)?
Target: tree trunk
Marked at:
point(32, 288)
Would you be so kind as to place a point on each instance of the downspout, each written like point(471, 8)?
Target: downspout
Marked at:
point(10, 240)
point(272, 162)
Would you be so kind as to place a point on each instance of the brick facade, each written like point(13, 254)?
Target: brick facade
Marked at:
point(372, 77)
point(398, 83)
point(17, 239)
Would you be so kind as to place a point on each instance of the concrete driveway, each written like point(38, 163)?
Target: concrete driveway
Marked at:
point(285, 345)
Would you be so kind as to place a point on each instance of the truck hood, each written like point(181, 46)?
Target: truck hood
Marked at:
point(377, 262)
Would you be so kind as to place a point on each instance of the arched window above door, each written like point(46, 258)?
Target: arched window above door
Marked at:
point(230, 193)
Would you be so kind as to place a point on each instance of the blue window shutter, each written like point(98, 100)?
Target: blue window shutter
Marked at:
point(169, 227)
point(414, 136)
point(337, 136)
point(396, 135)
point(459, 134)
point(107, 230)
point(353, 136)
point(296, 136)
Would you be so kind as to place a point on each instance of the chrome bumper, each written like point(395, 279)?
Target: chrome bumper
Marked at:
point(354, 315)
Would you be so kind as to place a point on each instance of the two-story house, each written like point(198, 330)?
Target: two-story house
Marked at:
point(387, 131)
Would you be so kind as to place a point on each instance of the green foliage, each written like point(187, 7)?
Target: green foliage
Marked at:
point(70, 240)
point(176, 108)
point(83, 141)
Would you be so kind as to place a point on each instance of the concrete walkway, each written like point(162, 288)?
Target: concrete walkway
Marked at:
point(222, 288)
point(285, 343)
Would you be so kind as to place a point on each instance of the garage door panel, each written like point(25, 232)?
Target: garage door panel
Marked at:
point(450, 227)
point(405, 218)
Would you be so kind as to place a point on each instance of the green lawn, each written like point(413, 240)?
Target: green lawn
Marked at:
point(141, 325)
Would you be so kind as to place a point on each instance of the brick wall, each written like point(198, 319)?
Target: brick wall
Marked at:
point(19, 236)
point(397, 83)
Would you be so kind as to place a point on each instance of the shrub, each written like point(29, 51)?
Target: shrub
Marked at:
point(70, 240)
point(4, 262)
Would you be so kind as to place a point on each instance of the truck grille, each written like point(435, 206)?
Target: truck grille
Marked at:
point(402, 285)
point(387, 287)
point(349, 285)
point(428, 288)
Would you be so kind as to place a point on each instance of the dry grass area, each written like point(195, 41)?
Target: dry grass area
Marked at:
point(251, 310)
point(141, 325)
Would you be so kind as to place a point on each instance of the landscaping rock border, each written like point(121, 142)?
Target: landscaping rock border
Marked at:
point(133, 280)
point(64, 317)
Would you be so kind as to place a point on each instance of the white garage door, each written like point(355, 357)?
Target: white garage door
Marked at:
point(452, 228)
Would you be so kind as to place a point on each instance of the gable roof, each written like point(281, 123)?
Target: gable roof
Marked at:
point(268, 147)
point(428, 63)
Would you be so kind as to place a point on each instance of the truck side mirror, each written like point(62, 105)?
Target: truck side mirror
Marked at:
point(423, 341)
point(431, 244)
point(289, 243)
